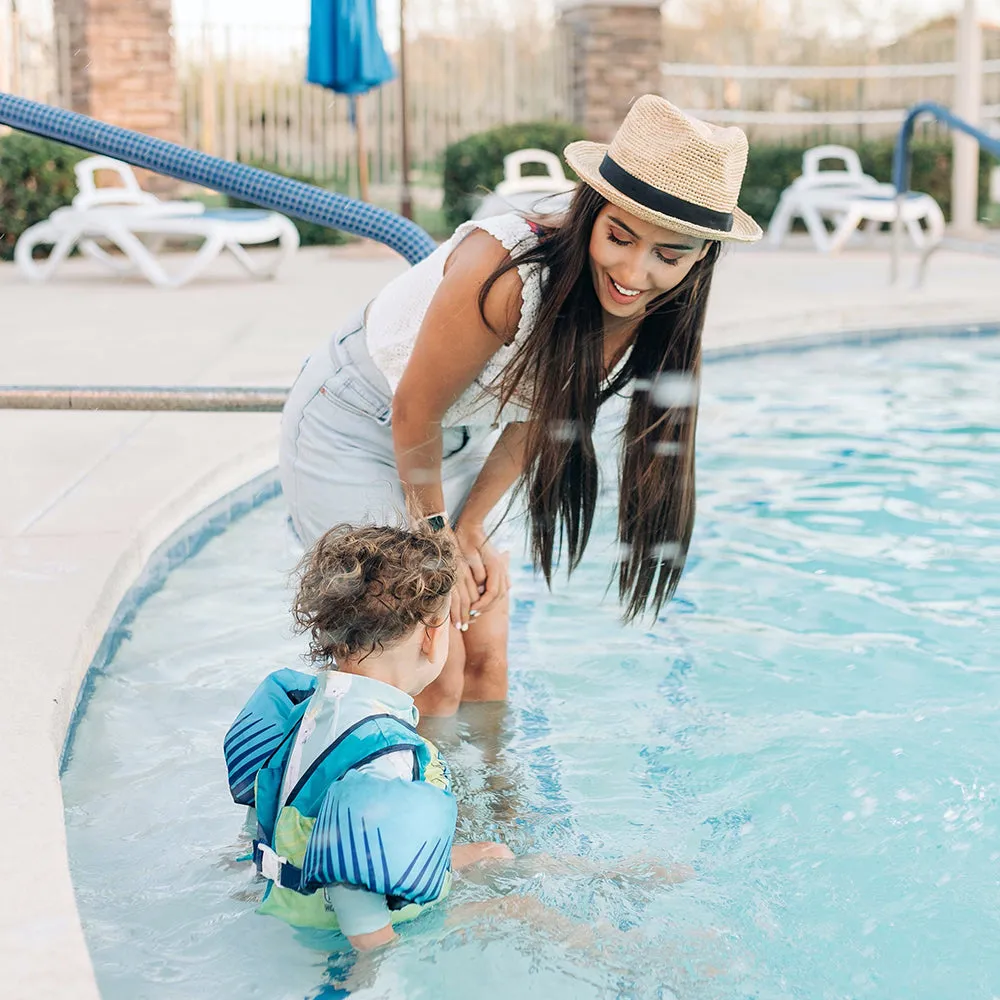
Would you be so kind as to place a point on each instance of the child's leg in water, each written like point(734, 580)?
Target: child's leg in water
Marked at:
point(637, 868)
point(616, 948)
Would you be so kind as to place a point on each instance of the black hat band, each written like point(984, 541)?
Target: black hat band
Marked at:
point(659, 201)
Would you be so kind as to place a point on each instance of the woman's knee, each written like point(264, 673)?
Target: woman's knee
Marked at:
point(488, 662)
point(486, 654)
point(486, 677)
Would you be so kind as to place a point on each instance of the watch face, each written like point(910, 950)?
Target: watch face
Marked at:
point(437, 523)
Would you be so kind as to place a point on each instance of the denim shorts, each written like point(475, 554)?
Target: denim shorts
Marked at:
point(336, 456)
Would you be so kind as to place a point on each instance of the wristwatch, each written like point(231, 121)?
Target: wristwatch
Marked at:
point(437, 522)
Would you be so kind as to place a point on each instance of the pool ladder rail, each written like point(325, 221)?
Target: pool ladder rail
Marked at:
point(901, 168)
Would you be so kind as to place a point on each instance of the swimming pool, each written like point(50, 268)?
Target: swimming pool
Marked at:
point(811, 725)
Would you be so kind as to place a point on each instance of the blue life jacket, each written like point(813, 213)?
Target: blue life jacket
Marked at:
point(338, 824)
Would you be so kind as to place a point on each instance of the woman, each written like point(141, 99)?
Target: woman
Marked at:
point(484, 367)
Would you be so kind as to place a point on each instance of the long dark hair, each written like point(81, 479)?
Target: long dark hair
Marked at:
point(560, 367)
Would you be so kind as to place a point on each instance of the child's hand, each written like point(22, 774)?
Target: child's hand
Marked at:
point(464, 855)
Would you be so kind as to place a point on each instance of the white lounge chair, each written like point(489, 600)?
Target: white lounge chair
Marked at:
point(818, 195)
point(548, 192)
point(874, 209)
point(138, 223)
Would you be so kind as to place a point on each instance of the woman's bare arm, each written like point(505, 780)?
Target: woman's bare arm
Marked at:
point(501, 470)
point(452, 348)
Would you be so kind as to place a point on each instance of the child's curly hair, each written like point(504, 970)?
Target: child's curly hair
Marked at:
point(365, 588)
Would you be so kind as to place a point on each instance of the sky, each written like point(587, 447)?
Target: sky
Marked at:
point(295, 13)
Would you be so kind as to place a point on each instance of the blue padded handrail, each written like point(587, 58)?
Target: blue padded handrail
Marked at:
point(901, 160)
point(303, 201)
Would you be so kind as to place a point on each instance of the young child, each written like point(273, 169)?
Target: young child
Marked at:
point(355, 813)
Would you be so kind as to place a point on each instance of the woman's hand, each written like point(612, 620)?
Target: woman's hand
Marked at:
point(489, 568)
point(464, 594)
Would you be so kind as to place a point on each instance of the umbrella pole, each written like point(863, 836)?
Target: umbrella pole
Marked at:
point(406, 199)
point(359, 130)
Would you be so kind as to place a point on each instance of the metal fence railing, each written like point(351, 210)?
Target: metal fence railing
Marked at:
point(821, 103)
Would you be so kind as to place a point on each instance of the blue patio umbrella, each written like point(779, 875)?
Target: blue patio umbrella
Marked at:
point(346, 56)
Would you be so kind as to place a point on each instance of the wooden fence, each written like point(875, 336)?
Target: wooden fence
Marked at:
point(244, 94)
point(29, 65)
point(244, 97)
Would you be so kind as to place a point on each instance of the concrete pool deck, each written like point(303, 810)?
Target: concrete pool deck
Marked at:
point(88, 497)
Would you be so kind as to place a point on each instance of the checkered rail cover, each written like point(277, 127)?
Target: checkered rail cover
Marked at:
point(281, 194)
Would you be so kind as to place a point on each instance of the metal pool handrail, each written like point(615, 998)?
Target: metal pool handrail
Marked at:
point(281, 194)
point(902, 162)
point(204, 399)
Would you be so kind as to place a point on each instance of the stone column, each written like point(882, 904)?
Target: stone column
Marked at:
point(615, 55)
point(120, 60)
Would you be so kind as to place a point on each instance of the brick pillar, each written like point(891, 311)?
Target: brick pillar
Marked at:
point(119, 55)
point(615, 55)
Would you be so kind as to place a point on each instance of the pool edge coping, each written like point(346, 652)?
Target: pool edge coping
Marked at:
point(182, 543)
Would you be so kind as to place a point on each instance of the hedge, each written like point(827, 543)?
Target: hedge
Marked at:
point(36, 178)
point(772, 168)
point(474, 166)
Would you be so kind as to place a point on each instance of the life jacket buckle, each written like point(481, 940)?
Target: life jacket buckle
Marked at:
point(270, 863)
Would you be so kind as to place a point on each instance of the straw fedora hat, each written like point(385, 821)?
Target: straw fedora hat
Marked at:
point(671, 170)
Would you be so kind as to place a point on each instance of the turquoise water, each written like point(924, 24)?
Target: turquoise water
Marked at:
point(812, 726)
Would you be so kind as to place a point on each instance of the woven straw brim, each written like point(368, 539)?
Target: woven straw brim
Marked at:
point(585, 158)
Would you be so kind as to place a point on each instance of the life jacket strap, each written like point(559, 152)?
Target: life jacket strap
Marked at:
point(275, 868)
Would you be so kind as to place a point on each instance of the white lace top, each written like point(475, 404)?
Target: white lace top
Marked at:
point(395, 316)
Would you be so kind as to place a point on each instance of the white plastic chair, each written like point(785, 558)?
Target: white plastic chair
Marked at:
point(514, 181)
point(128, 192)
point(818, 195)
point(873, 209)
point(138, 223)
point(549, 192)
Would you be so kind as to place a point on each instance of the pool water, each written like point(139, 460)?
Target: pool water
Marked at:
point(811, 725)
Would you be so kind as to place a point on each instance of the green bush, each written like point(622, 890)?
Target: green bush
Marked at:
point(36, 178)
point(311, 234)
point(772, 168)
point(474, 165)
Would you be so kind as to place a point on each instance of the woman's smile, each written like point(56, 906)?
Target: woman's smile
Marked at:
point(621, 293)
point(632, 261)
